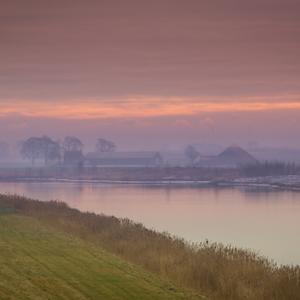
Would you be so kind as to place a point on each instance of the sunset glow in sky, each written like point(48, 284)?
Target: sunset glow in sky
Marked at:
point(165, 71)
point(135, 108)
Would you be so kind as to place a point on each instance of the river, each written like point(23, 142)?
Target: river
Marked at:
point(265, 221)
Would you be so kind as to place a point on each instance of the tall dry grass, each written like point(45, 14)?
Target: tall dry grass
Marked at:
point(214, 270)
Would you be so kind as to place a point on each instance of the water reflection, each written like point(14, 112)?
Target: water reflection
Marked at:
point(264, 220)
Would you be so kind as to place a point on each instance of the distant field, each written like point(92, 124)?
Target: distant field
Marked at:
point(39, 262)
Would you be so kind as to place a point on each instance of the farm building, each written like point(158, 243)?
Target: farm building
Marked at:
point(124, 159)
point(231, 157)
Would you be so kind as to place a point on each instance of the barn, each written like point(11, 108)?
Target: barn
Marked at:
point(124, 159)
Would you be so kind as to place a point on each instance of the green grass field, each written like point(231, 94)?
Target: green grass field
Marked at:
point(40, 262)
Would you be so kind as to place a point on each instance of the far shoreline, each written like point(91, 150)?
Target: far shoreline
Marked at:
point(241, 182)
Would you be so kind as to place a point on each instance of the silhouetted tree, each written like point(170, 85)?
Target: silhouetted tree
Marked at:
point(40, 148)
point(104, 145)
point(72, 143)
point(31, 149)
point(191, 153)
point(50, 150)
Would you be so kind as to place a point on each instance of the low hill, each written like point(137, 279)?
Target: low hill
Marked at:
point(39, 262)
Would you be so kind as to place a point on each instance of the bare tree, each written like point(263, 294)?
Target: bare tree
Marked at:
point(191, 153)
point(31, 149)
point(50, 149)
point(40, 148)
point(104, 145)
point(72, 143)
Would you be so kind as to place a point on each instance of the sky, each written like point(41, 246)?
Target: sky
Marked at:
point(151, 74)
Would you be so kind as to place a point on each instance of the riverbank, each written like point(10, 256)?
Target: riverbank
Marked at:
point(283, 182)
point(287, 182)
point(175, 176)
point(41, 262)
point(210, 269)
point(168, 174)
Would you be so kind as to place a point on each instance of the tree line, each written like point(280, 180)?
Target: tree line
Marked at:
point(48, 150)
point(270, 168)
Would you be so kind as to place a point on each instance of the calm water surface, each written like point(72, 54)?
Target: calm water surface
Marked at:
point(265, 221)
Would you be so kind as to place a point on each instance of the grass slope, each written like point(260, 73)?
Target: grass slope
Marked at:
point(219, 272)
point(40, 262)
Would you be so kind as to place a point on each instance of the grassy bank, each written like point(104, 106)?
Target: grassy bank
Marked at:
point(216, 271)
point(40, 262)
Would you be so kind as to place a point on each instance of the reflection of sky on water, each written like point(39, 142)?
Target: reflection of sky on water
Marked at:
point(264, 220)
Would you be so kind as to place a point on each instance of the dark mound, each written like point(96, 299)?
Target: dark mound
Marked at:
point(234, 156)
